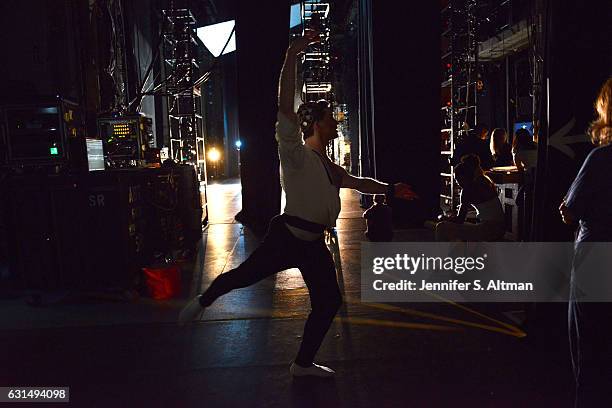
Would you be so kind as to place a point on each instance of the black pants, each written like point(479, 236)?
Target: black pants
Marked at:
point(281, 250)
point(590, 329)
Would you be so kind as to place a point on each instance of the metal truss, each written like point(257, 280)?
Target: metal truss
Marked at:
point(181, 70)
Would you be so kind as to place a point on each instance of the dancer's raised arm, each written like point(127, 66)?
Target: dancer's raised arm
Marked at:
point(286, 86)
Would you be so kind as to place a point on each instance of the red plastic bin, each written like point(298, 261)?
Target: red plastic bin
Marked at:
point(163, 283)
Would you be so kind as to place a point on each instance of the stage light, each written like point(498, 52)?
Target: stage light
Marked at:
point(214, 155)
point(215, 36)
point(238, 144)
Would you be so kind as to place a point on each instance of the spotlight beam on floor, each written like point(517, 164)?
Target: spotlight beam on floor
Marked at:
point(514, 331)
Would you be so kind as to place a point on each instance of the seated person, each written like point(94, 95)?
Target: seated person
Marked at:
point(500, 148)
point(524, 151)
point(379, 220)
point(525, 156)
point(474, 142)
point(478, 191)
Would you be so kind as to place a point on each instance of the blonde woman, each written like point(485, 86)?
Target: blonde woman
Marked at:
point(589, 199)
point(500, 148)
point(589, 203)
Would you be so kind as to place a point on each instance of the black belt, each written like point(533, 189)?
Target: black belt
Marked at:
point(303, 224)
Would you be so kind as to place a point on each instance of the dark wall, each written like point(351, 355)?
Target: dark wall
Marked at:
point(41, 55)
point(230, 117)
point(406, 93)
point(262, 35)
point(577, 64)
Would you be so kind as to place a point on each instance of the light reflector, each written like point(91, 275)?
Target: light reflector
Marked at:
point(215, 36)
point(295, 18)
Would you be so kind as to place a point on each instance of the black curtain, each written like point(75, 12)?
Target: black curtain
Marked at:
point(41, 46)
point(577, 63)
point(262, 34)
point(399, 100)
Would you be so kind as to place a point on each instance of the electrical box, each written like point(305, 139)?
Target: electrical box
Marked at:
point(40, 132)
point(126, 139)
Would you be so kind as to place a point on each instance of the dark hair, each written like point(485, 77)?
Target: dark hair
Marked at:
point(522, 139)
point(468, 166)
point(310, 112)
point(480, 127)
point(469, 169)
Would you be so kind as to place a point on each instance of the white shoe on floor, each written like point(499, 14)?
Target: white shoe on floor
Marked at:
point(190, 311)
point(314, 370)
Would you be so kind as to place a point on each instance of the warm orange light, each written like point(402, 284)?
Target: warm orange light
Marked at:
point(214, 155)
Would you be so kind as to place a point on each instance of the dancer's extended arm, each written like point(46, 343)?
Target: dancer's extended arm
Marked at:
point(367, 185)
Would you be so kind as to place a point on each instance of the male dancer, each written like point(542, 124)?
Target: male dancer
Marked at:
point(295, 239)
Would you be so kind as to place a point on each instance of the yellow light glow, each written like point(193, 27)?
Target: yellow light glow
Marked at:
point(214, 155)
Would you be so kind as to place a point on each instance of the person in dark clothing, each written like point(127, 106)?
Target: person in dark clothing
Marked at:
point(478, 192)
point(525, 158)
point(588, 203)
point(501, 151)
point(379, 220)
point(589, 199)
point(475, 143)
point(524, 152)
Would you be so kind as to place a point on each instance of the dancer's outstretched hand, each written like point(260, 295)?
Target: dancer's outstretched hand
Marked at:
point(404, 191)
point(299, 44)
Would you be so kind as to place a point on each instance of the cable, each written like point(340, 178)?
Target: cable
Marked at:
point(140, 103)
point(201, 80)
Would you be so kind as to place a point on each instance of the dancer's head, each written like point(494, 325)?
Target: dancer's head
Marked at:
point(317, 119)
point(601, 128)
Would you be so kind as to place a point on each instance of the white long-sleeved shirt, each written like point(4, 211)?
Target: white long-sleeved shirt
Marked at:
point(309, 193)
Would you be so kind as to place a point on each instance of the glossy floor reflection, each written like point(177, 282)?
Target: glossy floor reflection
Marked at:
point(238, 354)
